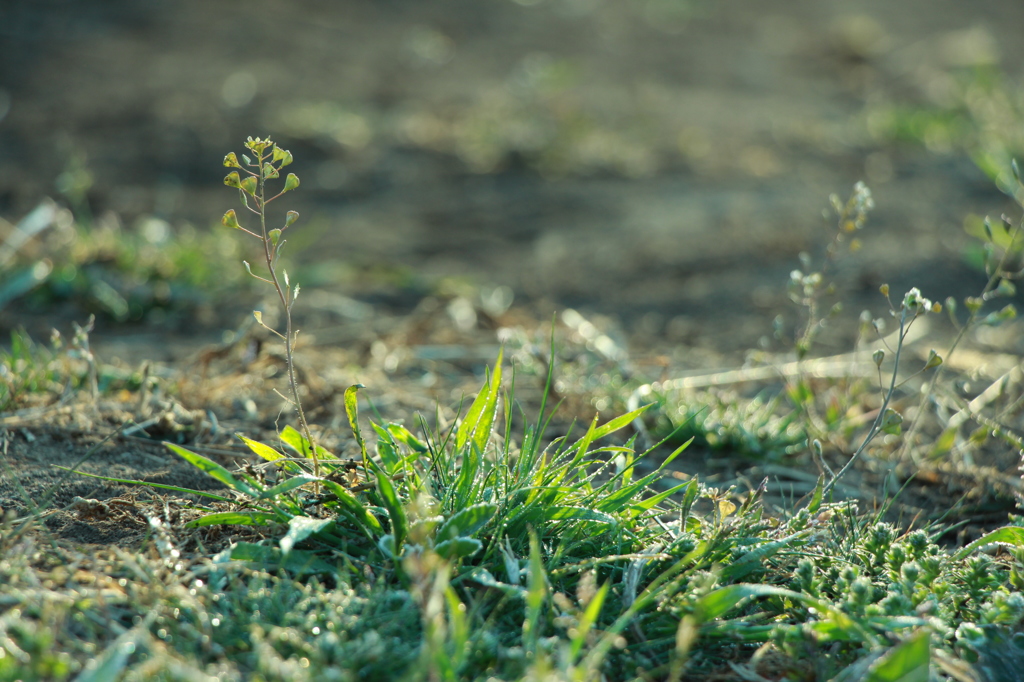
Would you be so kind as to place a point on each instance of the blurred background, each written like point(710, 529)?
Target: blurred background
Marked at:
point(659, 164)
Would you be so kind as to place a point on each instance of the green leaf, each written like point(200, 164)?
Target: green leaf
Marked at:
point(230, 219)
point(479, 420)
point(291, 437)
point(467, 521)
point(298, 562)
point(908, 661)
point(754, 559)
point(148, 484)
point(287, 486)
point(486, 578)
point(1008, 536)
point(352, 411)
point(650, 502)
point(234, 519)
point(815, 503)
point(210, 467)
point(386, 544)
point(300, 528)
point(404, 436)
point(399, 524)
point(290, 182)
point(265, 451)
point(535, 594)
point(588, 619)
point(568, 513)
point(367, 521)
point(458, 548)
point(232, 179)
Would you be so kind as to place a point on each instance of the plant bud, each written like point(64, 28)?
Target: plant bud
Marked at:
point(934, 360)
point(291, 182)
point(275, 236)
point(878, 356)
point(290, 218)
point(884, 289)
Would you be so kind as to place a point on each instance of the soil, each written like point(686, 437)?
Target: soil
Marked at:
point(657, 166)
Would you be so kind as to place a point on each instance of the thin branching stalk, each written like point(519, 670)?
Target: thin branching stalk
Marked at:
point(877, 424)
point(269, 159)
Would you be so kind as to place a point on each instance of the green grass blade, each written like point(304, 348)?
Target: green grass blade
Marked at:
point(535, 594)
point(298, 562)
point(210, 467)
point(367, 521)
point(908, 661)
point(588, 619)
point(479, 421)
point(650, 502)
point(467, 522)
point(234, 519)
point(265, 451)
point(300, 528)
point(159, 486)
point(352, 412)
point(286, 486)
point(754, 559)
point(399, 524)
point(1009, 536)
point(291, 437)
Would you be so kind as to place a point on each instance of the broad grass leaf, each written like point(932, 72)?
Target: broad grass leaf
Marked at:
point(537, 585)
point(403, 435)
point(352, 412)
point(486, 578)
point(294, 439)
point(300, 528)
point(908, 661)
point(110, 664)
point(479, 420)
point(815, 503)
point(755, 558)
point(298, 562)
point(386, 449)
point(458, 548)
point(718, 602)
point(1008, 536)
point(386, 544)
point(234, 518)
point(399, 524)
point(213, 469)
point(265, 451)
point(287, 486)
point(367, 521)
point(467, 521)
point(645, 505)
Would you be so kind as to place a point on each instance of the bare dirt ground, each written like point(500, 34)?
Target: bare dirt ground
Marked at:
point(473, 165)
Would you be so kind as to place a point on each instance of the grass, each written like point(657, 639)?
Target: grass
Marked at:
point(495, 550)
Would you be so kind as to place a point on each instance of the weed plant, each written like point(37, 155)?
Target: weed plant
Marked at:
point(492, 552)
